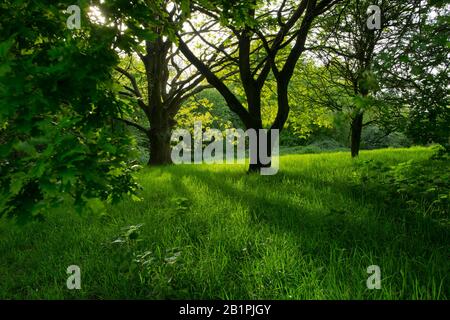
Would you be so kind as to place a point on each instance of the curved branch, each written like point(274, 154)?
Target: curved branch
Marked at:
point(132, 124)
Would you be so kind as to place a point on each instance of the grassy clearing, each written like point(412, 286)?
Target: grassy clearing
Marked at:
point(213, 232)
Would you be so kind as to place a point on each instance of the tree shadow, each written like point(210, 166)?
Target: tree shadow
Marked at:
point(360, 218)
point(277, 211)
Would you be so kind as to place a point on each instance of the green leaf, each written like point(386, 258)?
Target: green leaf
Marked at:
point(96, 206)
point(5, 47)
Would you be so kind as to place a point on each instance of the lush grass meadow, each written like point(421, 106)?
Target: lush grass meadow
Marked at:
point(214, 232)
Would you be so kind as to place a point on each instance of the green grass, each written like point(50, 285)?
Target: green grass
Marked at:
point(213, 232)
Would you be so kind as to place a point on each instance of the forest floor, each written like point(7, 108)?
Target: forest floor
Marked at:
point(214, 232)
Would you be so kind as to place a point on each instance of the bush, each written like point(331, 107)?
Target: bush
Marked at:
point(327, 144)
point(374, 138)
point(289, 139)
point(423, 185)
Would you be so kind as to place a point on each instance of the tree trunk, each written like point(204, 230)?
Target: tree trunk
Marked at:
point(160, 144)
point(256, 165)
point(357, 126)
point(257, 161)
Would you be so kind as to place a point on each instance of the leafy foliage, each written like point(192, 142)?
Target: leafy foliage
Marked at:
point(417, 184)
point(202, 110)
point(56, 105)
point(416, 75)
point(150, 271)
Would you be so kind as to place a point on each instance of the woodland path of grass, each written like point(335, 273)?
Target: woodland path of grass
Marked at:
point(213, 232)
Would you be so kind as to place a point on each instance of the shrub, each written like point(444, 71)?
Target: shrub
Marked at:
point(420, 185)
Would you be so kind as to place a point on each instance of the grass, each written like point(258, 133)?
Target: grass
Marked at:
point(213, 232)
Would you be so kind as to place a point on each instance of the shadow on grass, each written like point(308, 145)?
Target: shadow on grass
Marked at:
point(279, 211)
point(346, 217)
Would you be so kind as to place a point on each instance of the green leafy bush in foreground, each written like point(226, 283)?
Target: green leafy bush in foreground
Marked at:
point(57, 140)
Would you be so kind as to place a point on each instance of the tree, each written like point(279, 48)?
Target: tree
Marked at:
point(415, 75)
point(56, 103)
point(256, 36)
point(309, 109)
point(349, 50)
point(159, 79)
